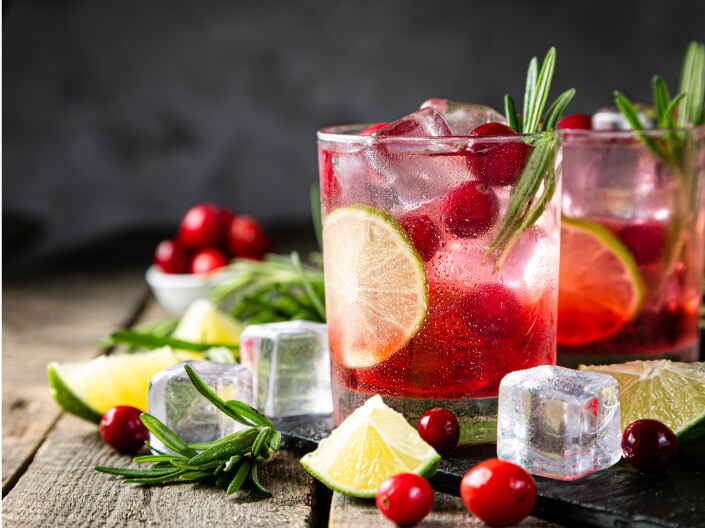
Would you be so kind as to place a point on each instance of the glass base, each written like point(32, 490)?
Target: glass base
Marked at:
point(477, 417)
point(601, 357)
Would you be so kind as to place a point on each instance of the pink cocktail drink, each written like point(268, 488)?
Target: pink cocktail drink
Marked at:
point(482, 298)
point(648, 212)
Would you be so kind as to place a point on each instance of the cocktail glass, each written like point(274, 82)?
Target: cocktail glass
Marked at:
point(435, 205)
point(633, 215)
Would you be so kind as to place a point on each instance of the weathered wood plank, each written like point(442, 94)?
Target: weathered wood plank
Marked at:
point(52, 317)
point(60, 488)
point(448, 511)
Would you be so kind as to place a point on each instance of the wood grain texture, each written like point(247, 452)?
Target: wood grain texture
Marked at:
point(52, 317)
point(60, 488)
point(448, 511)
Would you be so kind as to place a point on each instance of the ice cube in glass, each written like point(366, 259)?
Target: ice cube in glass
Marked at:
point(463, 118)
point(558, 422)
point(173, 400)
point(290, 367)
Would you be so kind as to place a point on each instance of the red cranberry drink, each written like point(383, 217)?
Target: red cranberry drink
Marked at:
point(632, 248)
point(632, 237)
point(441, 250)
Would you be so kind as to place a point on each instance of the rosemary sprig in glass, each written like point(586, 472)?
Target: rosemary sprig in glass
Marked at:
point(675, 147)
point(229, 462)
point(537, 182)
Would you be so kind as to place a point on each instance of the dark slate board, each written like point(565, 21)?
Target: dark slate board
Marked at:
point(619, 497)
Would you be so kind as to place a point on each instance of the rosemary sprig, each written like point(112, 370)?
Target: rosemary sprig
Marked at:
point(280, 288)
point(151, 341)
point(536, 185)
point(229, 462)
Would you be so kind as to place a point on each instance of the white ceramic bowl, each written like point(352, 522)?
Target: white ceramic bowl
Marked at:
point(176, 292)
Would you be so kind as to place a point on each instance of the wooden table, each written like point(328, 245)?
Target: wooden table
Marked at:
point(47, 456)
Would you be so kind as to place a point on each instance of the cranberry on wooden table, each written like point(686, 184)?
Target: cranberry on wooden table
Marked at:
point(405, 498)
point(121, 428)
point(201, 227)
point(498, 492)
point(497, 162)
point(440, 429)
point(649, 445)
point(169, 257)
point(207, 260)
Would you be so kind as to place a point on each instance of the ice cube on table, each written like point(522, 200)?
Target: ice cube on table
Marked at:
point(290, 367)
point(173, 400)
point(463, 118)
point(559, 423)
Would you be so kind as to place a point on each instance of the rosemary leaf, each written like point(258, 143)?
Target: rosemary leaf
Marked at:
point(239, 446)
point(239, 478)
point(530, 90)
point(195, 475)
point(510, 111)
point(555, 111)
point(191, 467)
point(166, 435)
point(275, 441)
point(661, 100)
point(255, 481)
point(224, 440)
point(232, 461)
point(155, 480)
point(211, 396)
point(250, 413)
point(151, 341)
point(261, 442)
point(134, 472)
point(159, 458)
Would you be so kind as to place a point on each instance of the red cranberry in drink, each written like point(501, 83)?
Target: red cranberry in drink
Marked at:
point(493, 310)
point(497, 162)
point(371, 129)
point(646, 242)
point(405, 498)
point(649, 445)
point(247, 239)
point(330, 186)
point(440, 429)
point(576, 122)
point(424, 234)
point(121, 428)
point(207, 260)
point(470, 210)
point(201, 227)
point(170, 258)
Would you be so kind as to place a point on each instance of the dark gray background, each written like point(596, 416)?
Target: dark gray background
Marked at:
point(120, 115)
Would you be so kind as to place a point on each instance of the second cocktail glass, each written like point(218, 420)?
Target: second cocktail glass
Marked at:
point(441, 276)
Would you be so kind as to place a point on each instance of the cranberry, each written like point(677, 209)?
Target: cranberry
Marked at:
point(330, 186)
point(405, 498)
point(424, 234)
point(497, 163)
point(576, 121)
point(470, 210)
point(201, 227)
point(207, 260)
point(440, 429)
point(121, 428)
point(646, 242)
point(649, 445)
point(170, 258)
point(226, 216)
point(247, 239)
point(498, 492)
point(371, 129)
point(493, 310)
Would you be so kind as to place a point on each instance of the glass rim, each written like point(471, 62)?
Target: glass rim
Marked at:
point(348, 134)
point(571, 134)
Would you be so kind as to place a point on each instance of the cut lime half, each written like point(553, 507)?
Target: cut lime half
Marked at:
point(670, 392)
point(599, 288)
point(373, 443)
point(376, 289)
point(90, 388)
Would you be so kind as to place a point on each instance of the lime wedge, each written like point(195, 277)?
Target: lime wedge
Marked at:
point(600, 288)
point(90, 388)
point(204, 323)
point(376, 289)
point(670, 392)
point(373, 443)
